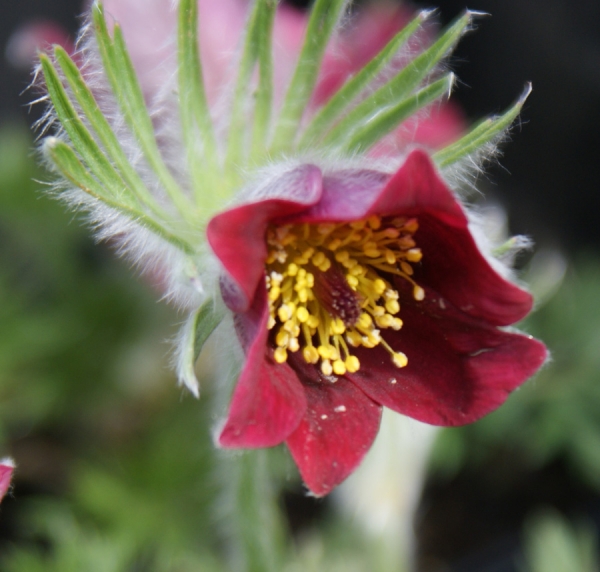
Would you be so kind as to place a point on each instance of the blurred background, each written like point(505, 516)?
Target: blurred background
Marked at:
point(114, 462)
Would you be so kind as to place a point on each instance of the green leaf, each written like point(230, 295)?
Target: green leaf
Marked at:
point(484, 132)
point(69, 165)
point(399, 86)
point(264, 93)
point(113, 186)
point(193, 104)
point(90, 109)
point(386, 121)
point(359, 82)
point(196, 332)
point(120, 72)
point(323, 18)
point(243, 98)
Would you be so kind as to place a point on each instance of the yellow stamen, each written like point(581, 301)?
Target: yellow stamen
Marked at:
point(331, 288)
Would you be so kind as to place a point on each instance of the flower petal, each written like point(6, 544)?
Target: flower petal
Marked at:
point(268, 401)
point(237, 236)
point(339, 426)
point(459, 369)
point(452, 265)
point(7, 467)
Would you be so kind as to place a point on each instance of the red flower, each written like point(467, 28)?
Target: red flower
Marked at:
point(338, 314)
point(7, 468)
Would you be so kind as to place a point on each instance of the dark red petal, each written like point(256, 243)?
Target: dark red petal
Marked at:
point(453, 266)
point(459, 369)
point(452, 263)
point(268, 401)
point(339, 426)
point(237, 236)
point(6, 470)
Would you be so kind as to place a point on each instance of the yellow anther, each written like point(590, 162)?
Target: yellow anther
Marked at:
point(354, 338)
point(302, 314)
point(399, 359)
point(303, 295)
point(390, 294)
point(378, 311)
point(294, 345)
point(292, 328)
point(337, 327)
point(292, 269)
point(325, 265)
point(334, 244)
point(326, 368)
point(274, 293)
point(368, 342)
point(339, 367)
point(372, 252)
point(352, 364)
point(318, 258)
point(280, 355)
point(310, 279)
point(379, 286)
point(308, 252)
point(414, 255)
point(352, 281)
point(397, 324)
point(390, 257)
point(374, 222)
point(323, 351)
point(384, 321)
point(365, 321)
point(271, 323)
point(357, 224)
point(357, 270)
point(391, 233)
point(285, 312)
point(406, 268)
point(392, 306)
point(310, 354)
point(342, 256)
point(282, 338)
point(418, 293)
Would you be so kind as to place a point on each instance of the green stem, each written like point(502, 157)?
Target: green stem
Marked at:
point(257, 539)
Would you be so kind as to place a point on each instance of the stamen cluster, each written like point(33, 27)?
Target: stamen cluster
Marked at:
point(329, 288)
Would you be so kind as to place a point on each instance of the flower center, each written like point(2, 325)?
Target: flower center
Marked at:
point(328, 292)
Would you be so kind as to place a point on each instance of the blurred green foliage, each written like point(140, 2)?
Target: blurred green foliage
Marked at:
point(552, 544)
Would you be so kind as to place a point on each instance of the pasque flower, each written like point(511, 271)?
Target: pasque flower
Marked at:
point(375, 295)
point(316, 169)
